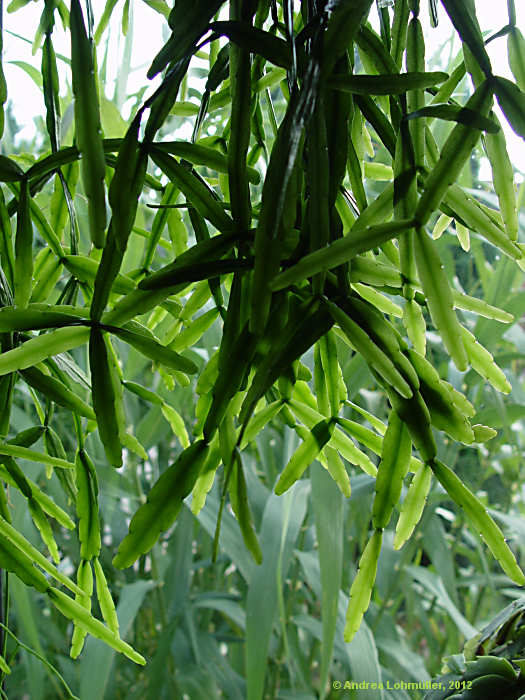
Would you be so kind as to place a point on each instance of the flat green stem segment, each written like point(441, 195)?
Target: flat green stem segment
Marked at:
point(163, 504)
point(439, 296)
point(41, 347)
point(386, 84)
point(480, 519)
point(87, 123)
point(413, 505)
point(361, 590)
point(105, 396)
point(339, 252)
point(393, 467)
point(305, 454)
point(11, 534)
point(32, 456)
point(81, 617)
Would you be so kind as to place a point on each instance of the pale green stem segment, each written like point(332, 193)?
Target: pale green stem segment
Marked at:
point(413, 505)
point(480, 519)
point(107, 606)
point(439, 296)
point(361, 590)
point(81, 617)
point(305, 454)
point(19, 541)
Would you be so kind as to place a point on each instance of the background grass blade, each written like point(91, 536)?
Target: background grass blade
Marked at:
point(328, 511)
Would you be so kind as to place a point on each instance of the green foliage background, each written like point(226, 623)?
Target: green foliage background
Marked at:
point(206, 315)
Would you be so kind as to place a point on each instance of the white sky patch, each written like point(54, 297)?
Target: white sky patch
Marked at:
point(149, 31)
